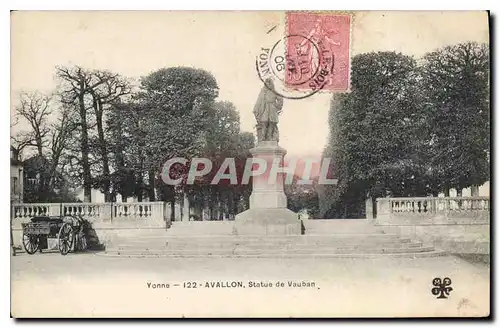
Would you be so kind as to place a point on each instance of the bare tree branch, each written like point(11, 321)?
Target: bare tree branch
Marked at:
point(35, 108)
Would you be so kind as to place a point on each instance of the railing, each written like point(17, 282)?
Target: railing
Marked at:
point(29, 210)
point(96, 211)
point(138, 210)
point(87, 210)
point(390, 210)
point(424, 205)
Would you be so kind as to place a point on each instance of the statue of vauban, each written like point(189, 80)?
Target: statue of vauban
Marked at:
point(266, 111)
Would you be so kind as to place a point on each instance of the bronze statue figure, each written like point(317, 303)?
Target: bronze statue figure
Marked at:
point(266, 111)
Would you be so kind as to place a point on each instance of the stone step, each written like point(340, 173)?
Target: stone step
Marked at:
point(240, 245)
point(323, 238)
point(352, 250)
point(260, 244)
point(289, 256)
point(320, 227)
point(328, 232)
point(266, 241)
point(311, 237)
point(340, 224)
point(423, 252)
point(208, 235)
point(340, 249)
point(201, 228)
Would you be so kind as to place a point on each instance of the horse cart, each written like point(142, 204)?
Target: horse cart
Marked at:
point(67, 232)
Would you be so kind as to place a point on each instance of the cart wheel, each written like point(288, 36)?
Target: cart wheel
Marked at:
point(31, 243)
point(66, 237)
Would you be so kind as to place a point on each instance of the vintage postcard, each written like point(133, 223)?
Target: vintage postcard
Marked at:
point(274, 164)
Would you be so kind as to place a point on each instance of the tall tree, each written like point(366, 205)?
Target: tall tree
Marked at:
point(35, 109)
point(75, 83)
point(109, 88)
point(177, 106)
point(328, 195)
point(88, 93)
point(455, 84)
point(373, 130)
point(122, 135)
point(223, 140)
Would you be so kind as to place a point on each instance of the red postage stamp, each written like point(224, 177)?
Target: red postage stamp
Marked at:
point(317, 51)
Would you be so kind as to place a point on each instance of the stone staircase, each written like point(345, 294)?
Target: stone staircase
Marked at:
point(201, 228)
point(322, 238)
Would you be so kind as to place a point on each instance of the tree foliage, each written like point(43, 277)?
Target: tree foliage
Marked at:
point(302, 197)
point(410, 129)
point(456, 97)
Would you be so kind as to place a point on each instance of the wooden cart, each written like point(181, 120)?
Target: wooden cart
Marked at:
point(67, 230)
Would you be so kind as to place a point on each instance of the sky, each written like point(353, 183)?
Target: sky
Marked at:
point(135, 44)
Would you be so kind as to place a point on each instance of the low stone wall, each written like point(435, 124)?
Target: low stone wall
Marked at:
point(458, 225)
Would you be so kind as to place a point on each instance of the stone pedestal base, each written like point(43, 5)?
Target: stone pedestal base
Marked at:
point(269, 221)
point(268, 213)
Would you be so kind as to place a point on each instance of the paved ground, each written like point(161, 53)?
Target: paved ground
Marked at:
point(89, 285)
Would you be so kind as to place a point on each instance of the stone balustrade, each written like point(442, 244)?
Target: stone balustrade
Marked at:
point(21, 211)
point(422, 205)
point(97, 212)
point(432, 209)
point(453, 224)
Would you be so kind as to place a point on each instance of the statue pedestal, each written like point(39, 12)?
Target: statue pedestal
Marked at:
point(268, 214)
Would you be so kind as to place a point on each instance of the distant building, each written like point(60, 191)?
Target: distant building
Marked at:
point(482, 191)
point(97, 196)
point(16, 176)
